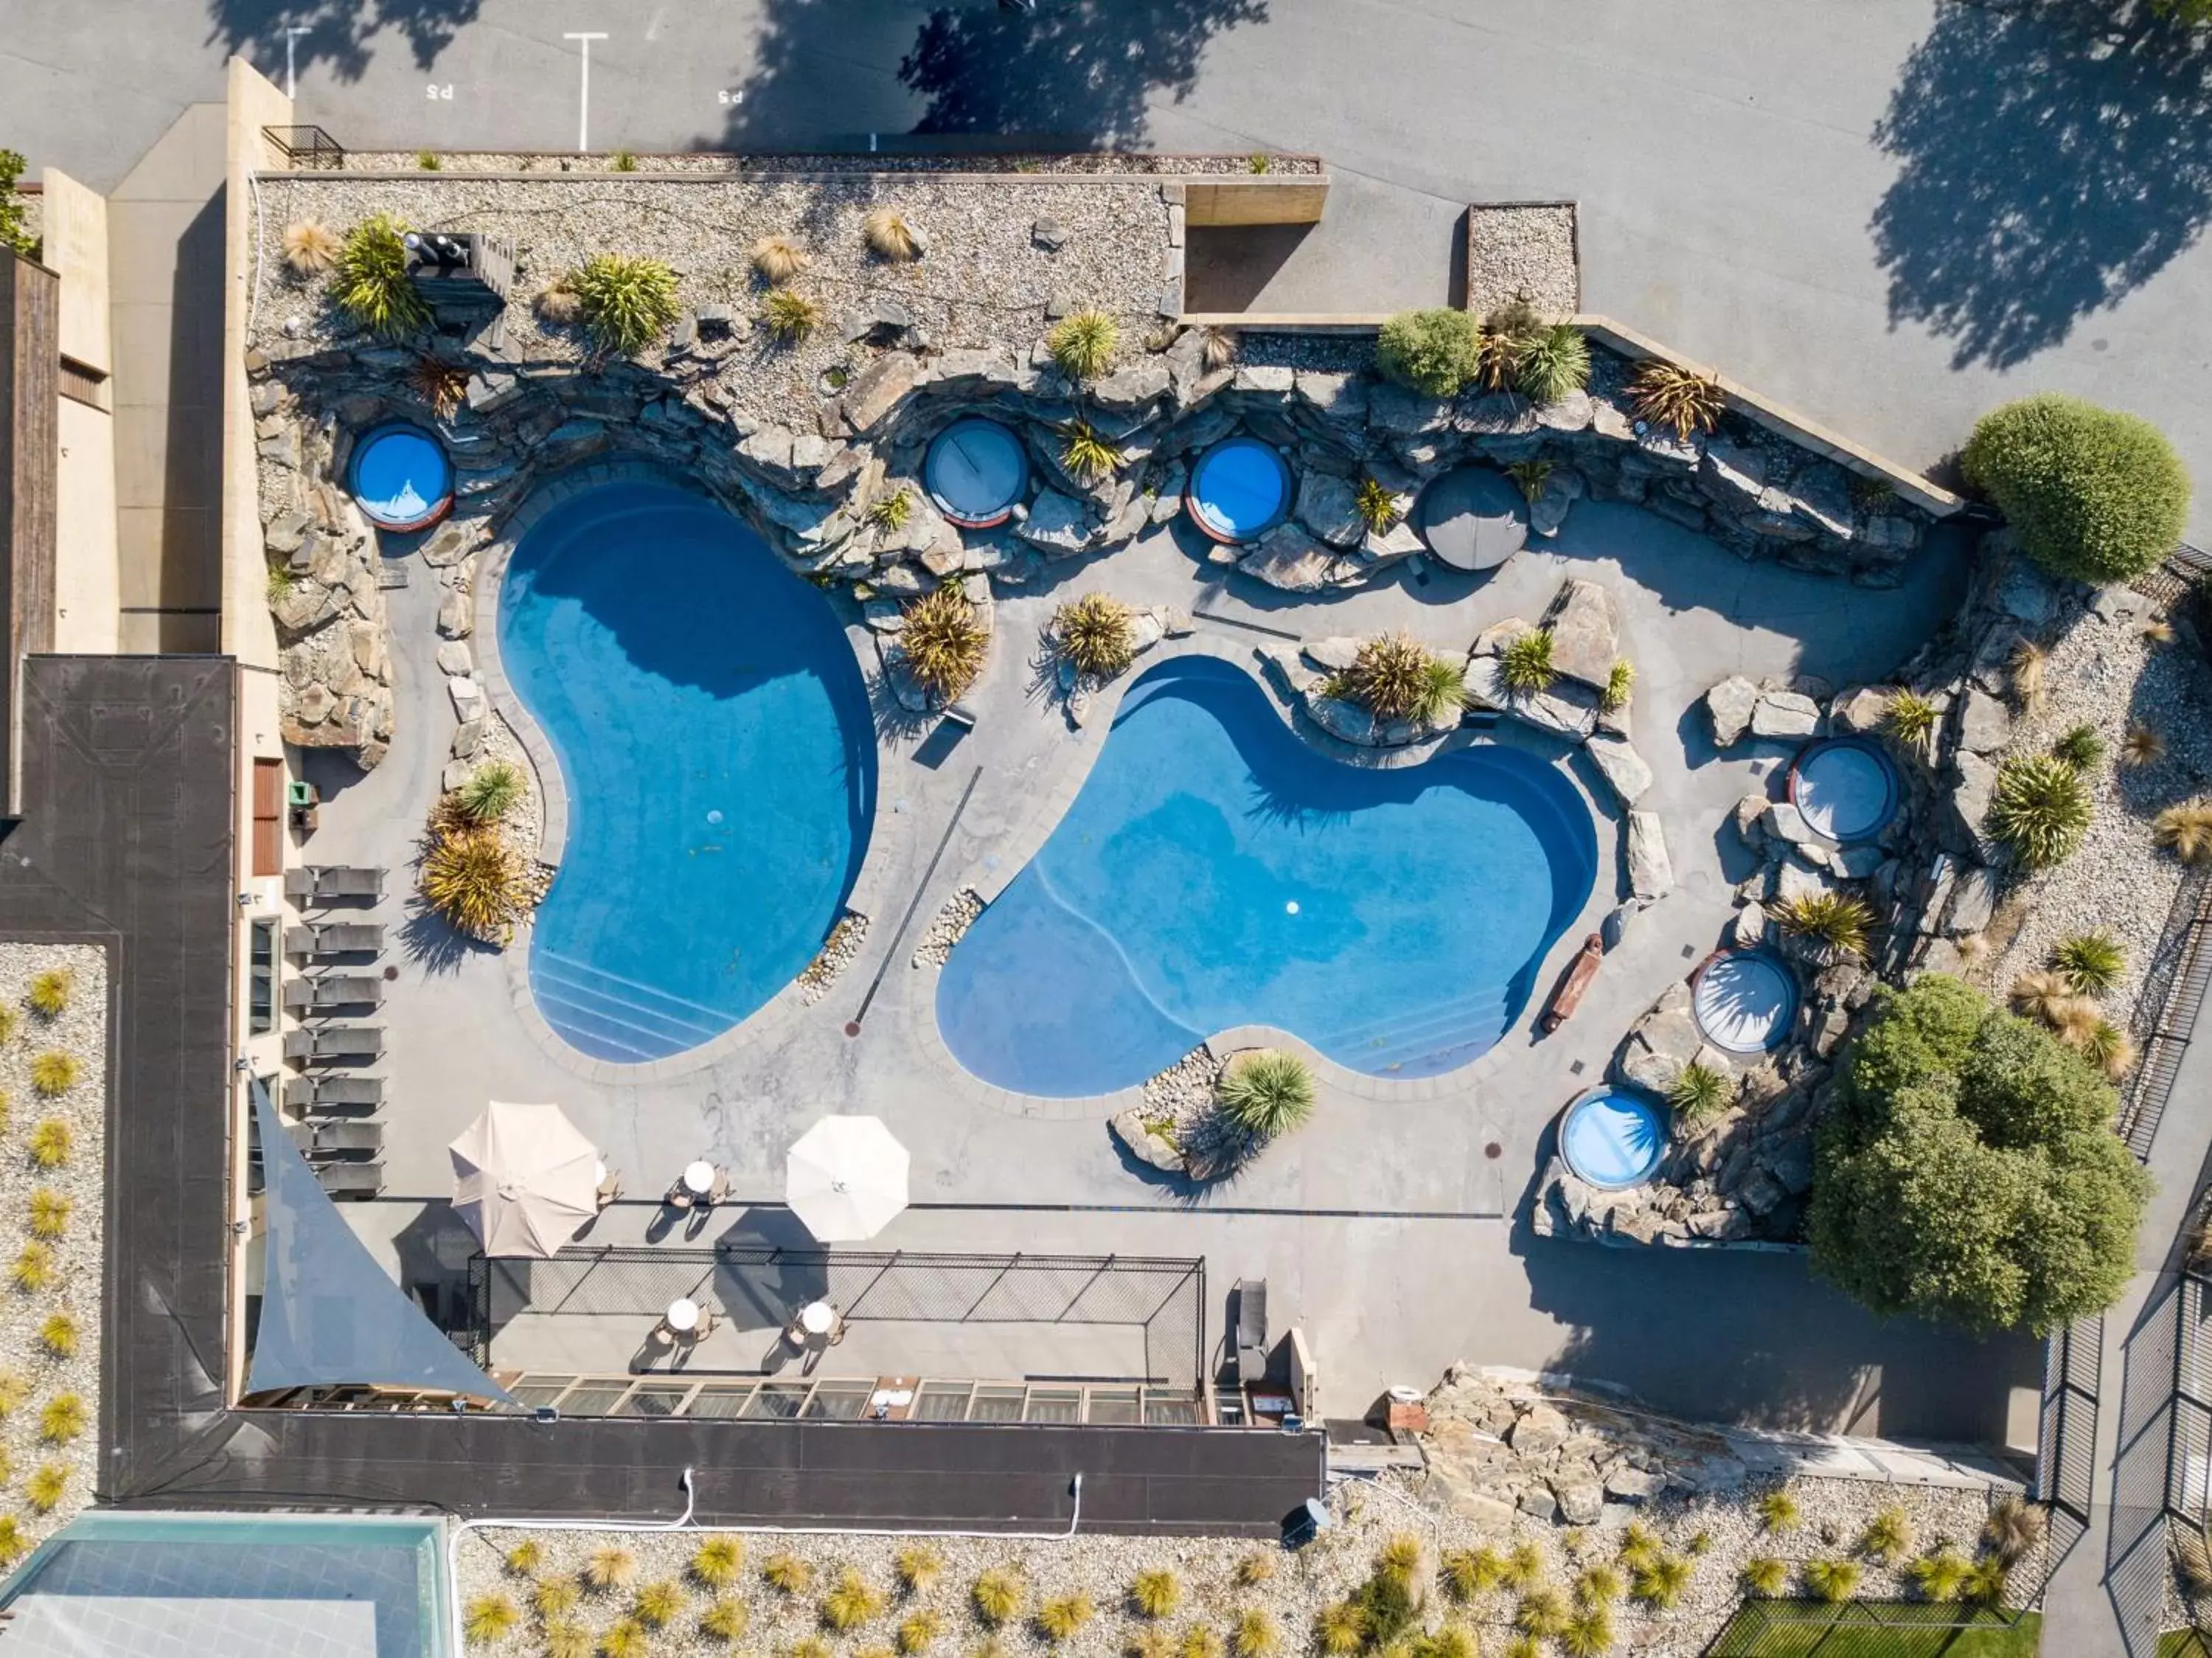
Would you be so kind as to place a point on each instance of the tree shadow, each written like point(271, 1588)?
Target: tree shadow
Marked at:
point(339, 34)
point(2053, 159)
point(1094, 64)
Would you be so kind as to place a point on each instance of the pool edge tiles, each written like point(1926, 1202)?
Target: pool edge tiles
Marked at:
point(1215, 871)
point(717, 755)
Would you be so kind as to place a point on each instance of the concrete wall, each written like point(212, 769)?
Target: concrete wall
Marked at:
point(88, 575)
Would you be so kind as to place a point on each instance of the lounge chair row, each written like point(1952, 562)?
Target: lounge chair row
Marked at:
point(321, 883)
point(335, 938)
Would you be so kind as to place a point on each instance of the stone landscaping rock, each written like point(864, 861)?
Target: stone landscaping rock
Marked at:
point(1731, 704)
point(1130, 1128)
point(1785, 714)
point(1650, 871)
point(877, 389)
point(1625, 771)
point(1329, 507)
point(1585, 631)
point(1291, 560)
point(1984, 722)
point(1346, 721)
point(1056, 523)
point(1335, 655)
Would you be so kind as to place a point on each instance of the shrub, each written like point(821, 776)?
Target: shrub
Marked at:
point(1887, 1537)
point(1598, 1584)
point(997, 1596)
point(490, 793)
point(34, 1268)
point(1388, 1606)
point(1082, 343)
point(790, 316)
point(1543, 1612)
point(1763, 1574)
point(1156, 1593)
point(1436, 353)
point(1589, 1634)
point(1470, 1572)
point(891, 512)
point(2142, 746)
point(717, 1560)
point(2186, 831)
point(627, 301)
point(61, 1419)
point(1095, 635)
point(1394, 677)
point(918, 1566)
point(890, 236)
point(777, 259)
point(1984, 1585)
point(310, 247)
point(611, 1566)
point(944, 643)
point(489, 1617)
point(554, 1596)
point(1700, 1092)
point(2091, 962)
point(50, 1213)
point(1525, 664)
point(1378, 507)
point(48, 1485)
point(1680, 399)
point(1969, 1171)
point(658, 1602)
point(1661, 1581)
point(1837, 923)
point(1831, 1581)
point(2080, 747)
point(1941, 1575)
point(852, 1603)
point(622, 161)
point(50, 1142)
point(53, 1073)
point(1087, 456)
point(2040, 809)
point(440, 384)
point(1059, 1619)
point(1339, 1628)
point(1620, 684)
point(14, 231)
point(1553, 363)
point(626, 1638)
point(372, 288)
point(787, 1574)
point(474, 880)
point(726, 1620)
point(1909, 717)
point(2014, 1527)
point(2092, 493)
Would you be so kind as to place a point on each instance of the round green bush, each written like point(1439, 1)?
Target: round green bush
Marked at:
point(1436, 351)
point(2092, 493)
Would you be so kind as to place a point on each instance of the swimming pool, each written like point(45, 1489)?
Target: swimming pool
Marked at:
point(719, 757)
point(1216, 871)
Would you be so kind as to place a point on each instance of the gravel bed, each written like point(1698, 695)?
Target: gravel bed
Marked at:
point(1183, 1093)
point(80, 1030)
point(1296, 1586)
point(1343, 354)
point(723, 162)
point(2109, 676)
point(950, 927)
point(838, 953)
point(524, 824)
point(1525, 254)
point(985, 281)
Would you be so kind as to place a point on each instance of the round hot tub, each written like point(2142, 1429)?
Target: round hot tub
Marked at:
point(1743, 1001)
point(1845, 788)
point(974, 471)
point(1473, 518)
point(400, 477)
point(1612, 1139)
point(1239, 490)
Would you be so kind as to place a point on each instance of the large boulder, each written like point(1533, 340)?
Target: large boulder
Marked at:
point(1585, 631)
point(1329, 506)
point(1626, 771)
point(1785, 714)
point(1288, 558)
point(1650, 870)
point(1730, 705)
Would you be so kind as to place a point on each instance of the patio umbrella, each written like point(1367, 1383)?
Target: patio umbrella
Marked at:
point(845, 1178)
point(524, 1179)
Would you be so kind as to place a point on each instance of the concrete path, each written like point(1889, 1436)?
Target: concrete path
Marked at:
point(1888, 217)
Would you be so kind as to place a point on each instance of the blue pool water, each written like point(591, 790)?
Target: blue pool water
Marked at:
point(719, 757)
point(1216, 871)
point(401, 477)
point(1612, 1140)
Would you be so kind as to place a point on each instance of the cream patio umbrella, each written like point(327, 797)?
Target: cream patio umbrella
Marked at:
point(846, 1178)
point(524, 1179)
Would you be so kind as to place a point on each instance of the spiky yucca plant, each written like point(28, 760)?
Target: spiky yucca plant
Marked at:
point(1086, 455)
point(892, 511)
point(777, 259)
point(944, 643)
point(790, 316)
point(1530, 477)
point(2091, 962)
point(474, 880)
point(890, 236)
point(1619, 686)
point(2040, 809)
point(53, 1073)
point(1378, 507)
point(2185, 830)
point(627, 299)
point(372, 286)
point(1083, 342)
point(1525, 664)
point(1394, 677)
point(1909, 717)
point(490, 793)
point(440, 384)
point(1554, 360)
point(1096, 634)
point(1682, 401)
point(1266, 1091)
point(1829, 918)
point(1700, 1093)
point(310, 247)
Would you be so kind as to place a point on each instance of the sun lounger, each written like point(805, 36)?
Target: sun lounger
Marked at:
point(321, 882)
point(335, 1042)
point(335, 938)
point(334, 991)
point(327, 1139)
point(314, 1094)
point(350, 1179)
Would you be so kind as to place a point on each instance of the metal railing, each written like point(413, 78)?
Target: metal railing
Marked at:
point(2066, 1437)
point(1851, 1629)
point(308, 147)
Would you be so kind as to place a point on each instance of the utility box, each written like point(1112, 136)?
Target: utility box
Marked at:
point(461, 275)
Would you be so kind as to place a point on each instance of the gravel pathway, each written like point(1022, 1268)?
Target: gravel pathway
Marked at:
point(1106, 162)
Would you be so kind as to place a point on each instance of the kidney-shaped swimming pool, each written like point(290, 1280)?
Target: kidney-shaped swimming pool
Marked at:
point(1214, 871)
point(715, 738)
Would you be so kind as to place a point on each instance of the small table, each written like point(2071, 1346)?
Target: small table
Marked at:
point(699, 1178)
point(682, 1315)
point(817, 1319)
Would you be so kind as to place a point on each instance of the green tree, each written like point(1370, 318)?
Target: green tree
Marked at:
point(1436, 351)
point(1970, 1172)
point(2092, 493)
point(12, 233)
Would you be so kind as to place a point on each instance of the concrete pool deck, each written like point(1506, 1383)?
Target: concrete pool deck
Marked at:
point(1378, 1226)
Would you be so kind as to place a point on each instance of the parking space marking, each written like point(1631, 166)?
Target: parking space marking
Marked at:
point(584, 89)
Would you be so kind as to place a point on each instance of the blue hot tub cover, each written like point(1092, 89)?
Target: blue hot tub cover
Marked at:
point(1612, 1138)
point(401, 477)
point(1239, 490)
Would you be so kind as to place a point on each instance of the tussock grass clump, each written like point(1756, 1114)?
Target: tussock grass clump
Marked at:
point(34, 1268)
point(853, 1602)
point(1598, 1583)
point(918, 1566)
point(944, 643)
point(626, 1638)
point(1620, 685)
point(1554, 361)
point(2142, 746)
point(1525, 664)
point(2013, 1527)
point(1985, 1581)
point(46, 1486)
point(1255, 1569)
point(474, 880)
point(1400, 1559)
point(1266, 1093)
point(50, 1143)
point(917, 1629)
point(2040, 809)
point(1682, 401)
point(1543, 1612)
point(438, 383)
point(1523, 1568)
point(777, 259)
point(1060, 1618)
point(787, 1574)
point(564, 1637)
point(62, 1419)
point(1395, 677)
point(791, 316)
point(1831, 1581)
point(1837, 923)
point(717, 1561)
point(2091, 962)
point(627, 301)
point(1156, 1593)
point(1887, 1537)
point(1083, 342)
point(610, 1567)
point(14, 1545)
point(2040, 995)
point(891, 512)
point(1200, 1641)
point(523, 1559)
point(890, 236)
point(658, 1603)
point(311, 248)
point(53, 1073)
point(1339, 1628)
point(1763, 1574)
point(725, 1620)
point(1940, 1576)
point(558, 302)
point(1661, 1581)
point(2080, 747)
point(997, 1596)
point(50, 1213)
point(554, 1597)
point(49, 994)
point(2185, 830)
point(1096, 634)
point(622, 161)
point(372, 286)
point(489, 1617)
point(1470, 1572)
point(2030, 668)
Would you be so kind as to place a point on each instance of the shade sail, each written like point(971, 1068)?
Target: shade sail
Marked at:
point(845, 1178)
point(524, 1178)
point(329, 1316)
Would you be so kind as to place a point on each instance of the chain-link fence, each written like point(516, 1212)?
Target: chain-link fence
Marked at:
point(1851, 1629)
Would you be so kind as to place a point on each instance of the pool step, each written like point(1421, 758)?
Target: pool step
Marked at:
point(611, 1017)
point(1421, 1040)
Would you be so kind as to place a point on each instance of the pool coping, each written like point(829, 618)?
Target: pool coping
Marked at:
point(869, 884)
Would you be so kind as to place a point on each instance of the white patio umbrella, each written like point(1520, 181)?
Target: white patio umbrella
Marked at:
point(845, 1178)
point(524, 1179)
